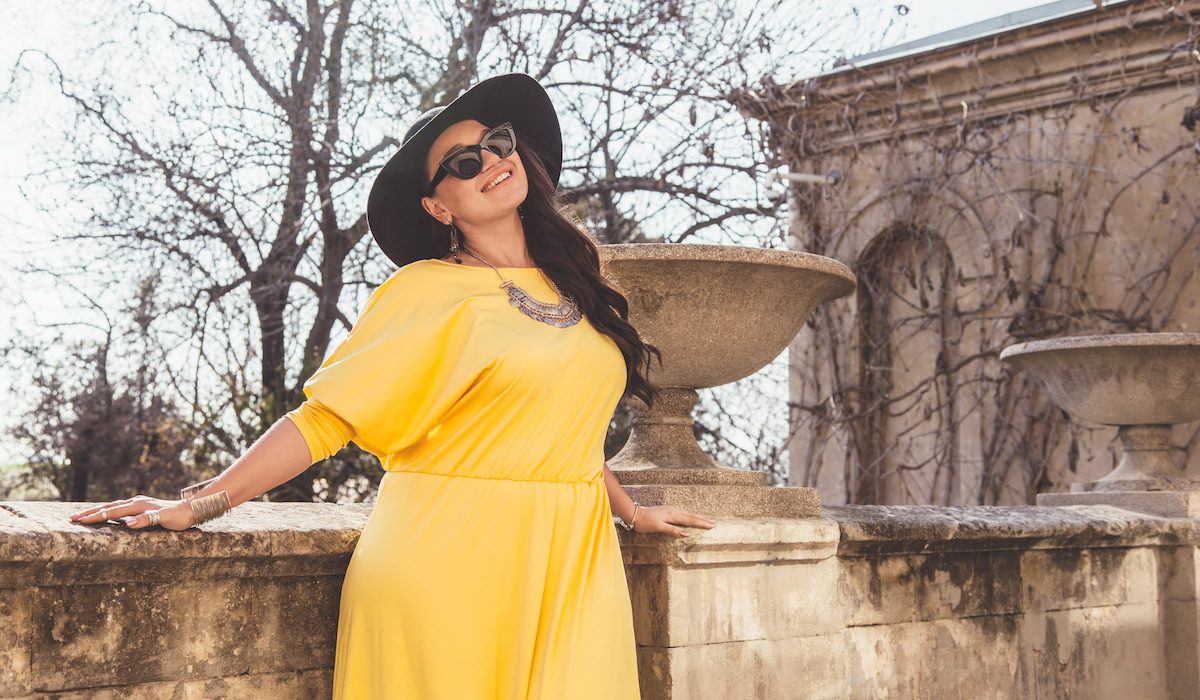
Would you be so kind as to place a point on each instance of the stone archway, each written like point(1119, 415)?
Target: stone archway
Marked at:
point(905, 451)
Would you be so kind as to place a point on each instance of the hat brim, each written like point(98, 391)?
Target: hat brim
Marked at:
point(399, 223)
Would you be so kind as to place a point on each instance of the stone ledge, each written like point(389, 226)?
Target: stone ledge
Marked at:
point(732, 501)
point(736, 541)
point(39, 545)
point(908, 529)
point(20, 539)
point(1171, 504)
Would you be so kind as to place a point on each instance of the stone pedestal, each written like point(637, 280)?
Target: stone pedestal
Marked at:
point(1143, 383)
point(715, 314)
point(663, 465)
point(720, 492)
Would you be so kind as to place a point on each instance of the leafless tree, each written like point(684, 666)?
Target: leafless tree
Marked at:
point(95, 436)
point(227, 146)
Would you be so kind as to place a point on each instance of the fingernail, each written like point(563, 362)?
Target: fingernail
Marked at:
point(129, 521)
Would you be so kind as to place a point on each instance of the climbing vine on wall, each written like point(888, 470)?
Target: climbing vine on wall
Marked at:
point(974, 228)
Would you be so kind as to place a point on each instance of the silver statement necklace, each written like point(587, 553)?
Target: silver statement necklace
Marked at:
point(564, 314)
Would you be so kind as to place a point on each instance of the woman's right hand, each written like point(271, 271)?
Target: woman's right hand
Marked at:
point(173, 515)
point(280, 454)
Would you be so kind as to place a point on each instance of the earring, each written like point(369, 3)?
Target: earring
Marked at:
point(454, 244)
point(521, 213)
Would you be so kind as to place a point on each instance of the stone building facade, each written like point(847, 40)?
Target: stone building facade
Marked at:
point(1036, 182)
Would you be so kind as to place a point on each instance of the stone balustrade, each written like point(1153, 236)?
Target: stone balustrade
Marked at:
point(902, 602)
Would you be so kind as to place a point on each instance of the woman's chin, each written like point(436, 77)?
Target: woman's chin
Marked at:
point(507, 196)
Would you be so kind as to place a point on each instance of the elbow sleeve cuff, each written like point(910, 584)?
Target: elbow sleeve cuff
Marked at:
point(323, 431)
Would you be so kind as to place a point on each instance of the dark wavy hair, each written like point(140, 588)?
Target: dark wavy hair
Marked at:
point(568, 256)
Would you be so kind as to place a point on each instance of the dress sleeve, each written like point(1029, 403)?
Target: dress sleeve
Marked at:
point(399, 370)
point(323, 431)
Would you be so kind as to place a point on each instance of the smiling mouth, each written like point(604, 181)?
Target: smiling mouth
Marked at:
point(499, 178)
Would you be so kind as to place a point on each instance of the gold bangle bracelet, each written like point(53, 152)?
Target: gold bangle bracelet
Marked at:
point(210, 506)
point(187, 493)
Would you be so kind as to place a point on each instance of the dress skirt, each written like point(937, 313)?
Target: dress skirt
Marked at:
point(480, 588)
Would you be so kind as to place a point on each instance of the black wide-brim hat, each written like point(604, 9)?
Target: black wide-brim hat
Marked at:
point(401, 226)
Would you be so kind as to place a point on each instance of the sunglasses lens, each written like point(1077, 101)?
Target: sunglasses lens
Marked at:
point(500, 142)
point(465, 165)
point(468, 161)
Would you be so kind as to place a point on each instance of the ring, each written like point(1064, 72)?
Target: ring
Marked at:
point(153, 517)
point(103, 515)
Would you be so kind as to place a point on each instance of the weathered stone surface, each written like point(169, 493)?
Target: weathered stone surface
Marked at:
point(724, 476)
point(298, 529)
point(1171, 504)
point(736, 540)
point(1063, 579)
point(1126, 379)
point(296, 539)
point(802, 599)
point(712, 605)
point(1178, 573)
point(976, 658)
point(740, 580)
point(906, 588)
point(953, 585)
point(245, 606)
point(1100, 652)
point(971, 528)
point(16, 677)
point(116, 634)
point(733, 501)
point(19, 542)
point(1009, 603)
point(878, 591)
point(1179, 617)
point(654, 673)
point(719, 313)
point(1092, 602)
point(272, 686)
point(296, 621)
point(971, 657)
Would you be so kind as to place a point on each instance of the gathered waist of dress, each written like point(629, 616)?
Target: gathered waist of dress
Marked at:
point(596, 478)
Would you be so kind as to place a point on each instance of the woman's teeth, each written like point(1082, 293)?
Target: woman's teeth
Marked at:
point(499, 178)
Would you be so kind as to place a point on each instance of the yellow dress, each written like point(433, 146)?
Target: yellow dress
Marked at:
point(490, 566)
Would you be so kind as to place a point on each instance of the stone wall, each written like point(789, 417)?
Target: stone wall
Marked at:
point(920, 602)
point(866, 602)
point(242, 607)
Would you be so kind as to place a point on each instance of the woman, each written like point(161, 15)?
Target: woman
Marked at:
point(483, 374)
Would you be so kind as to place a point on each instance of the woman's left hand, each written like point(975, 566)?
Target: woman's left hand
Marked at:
point(669, 520)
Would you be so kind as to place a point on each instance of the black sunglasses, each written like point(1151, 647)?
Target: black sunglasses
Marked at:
point(466, 162)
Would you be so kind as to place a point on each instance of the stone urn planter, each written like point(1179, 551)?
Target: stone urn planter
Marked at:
point(717, 314)
point(1141, 382)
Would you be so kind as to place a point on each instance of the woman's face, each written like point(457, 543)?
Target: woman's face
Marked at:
point(493, 194)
